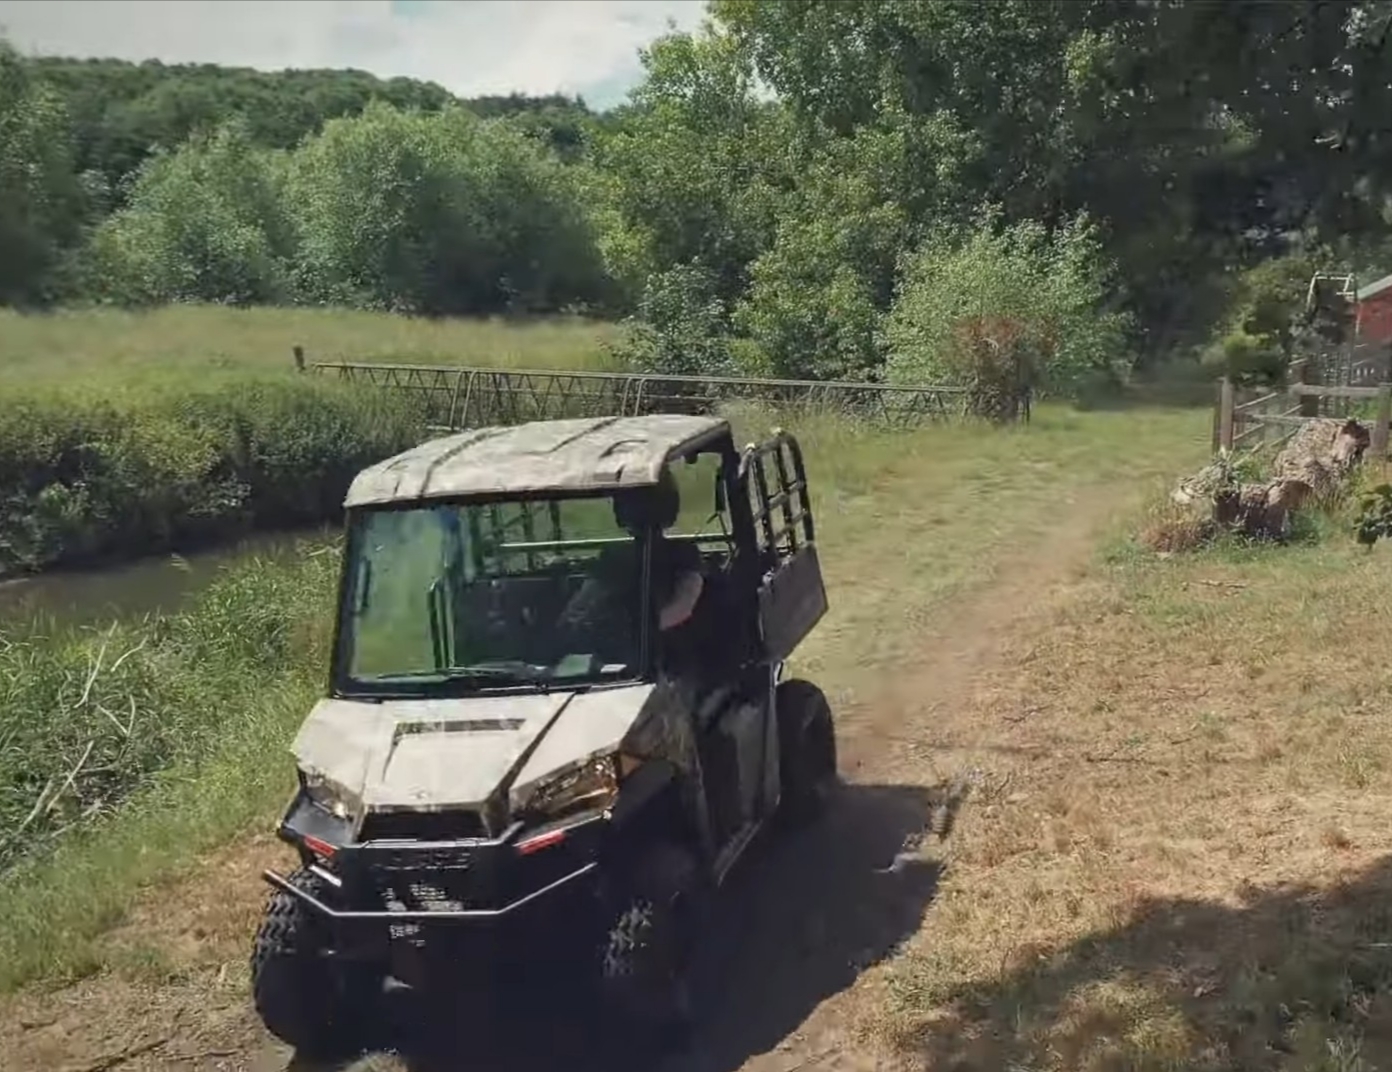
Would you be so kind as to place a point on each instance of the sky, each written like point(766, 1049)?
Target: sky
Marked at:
point(471, 47)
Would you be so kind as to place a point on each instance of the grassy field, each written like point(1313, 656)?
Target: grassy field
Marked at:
point(1175, 854)
point(1183, 858)
point(906, 521)
point(137, 346)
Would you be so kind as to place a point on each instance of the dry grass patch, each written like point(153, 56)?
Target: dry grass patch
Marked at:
point(1190, 866)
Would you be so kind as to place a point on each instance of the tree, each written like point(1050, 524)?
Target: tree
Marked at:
point(681, 327)
point(41, 198)
point(438, 213)
point(685, 168)
point(206, 222)
point(1198, 135)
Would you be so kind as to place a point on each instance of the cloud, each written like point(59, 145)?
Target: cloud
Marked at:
point(471, 47)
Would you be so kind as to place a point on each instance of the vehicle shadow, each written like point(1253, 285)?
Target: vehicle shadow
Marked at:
point(1296, 976)
point(807, 917)
point(801, 918)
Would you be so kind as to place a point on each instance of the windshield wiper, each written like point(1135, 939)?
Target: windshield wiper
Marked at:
point(511, 672)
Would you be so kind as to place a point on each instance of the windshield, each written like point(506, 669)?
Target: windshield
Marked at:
point(455, 597)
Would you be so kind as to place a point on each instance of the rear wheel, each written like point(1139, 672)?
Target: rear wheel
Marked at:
point(806, 750)
point(301, 994)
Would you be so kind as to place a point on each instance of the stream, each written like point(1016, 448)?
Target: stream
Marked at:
point(160, 583)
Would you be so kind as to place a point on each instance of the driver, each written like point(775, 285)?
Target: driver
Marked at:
point(676, 565)
point(607, 599)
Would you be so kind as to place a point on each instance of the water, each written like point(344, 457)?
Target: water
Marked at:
point(133, 589)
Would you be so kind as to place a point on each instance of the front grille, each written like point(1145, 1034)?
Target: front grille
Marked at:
point(452, 825)
point(447, 859)
point(417, 878)
point(419, 897)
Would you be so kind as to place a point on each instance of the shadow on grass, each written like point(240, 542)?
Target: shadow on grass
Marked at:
point(799, 922)
point(1295, 977)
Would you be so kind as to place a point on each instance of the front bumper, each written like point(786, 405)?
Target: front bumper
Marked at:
point(466, 909)
point(429, 915)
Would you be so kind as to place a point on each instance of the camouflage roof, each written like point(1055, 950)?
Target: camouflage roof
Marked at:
point(566, 455)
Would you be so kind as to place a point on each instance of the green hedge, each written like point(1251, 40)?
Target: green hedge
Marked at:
point(86, 477)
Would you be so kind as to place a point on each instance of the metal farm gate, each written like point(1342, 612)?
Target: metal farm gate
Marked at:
point(455, 398)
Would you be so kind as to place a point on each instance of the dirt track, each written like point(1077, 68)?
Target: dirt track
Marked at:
point(806, 921)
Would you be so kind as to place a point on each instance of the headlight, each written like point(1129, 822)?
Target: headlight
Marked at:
point(327, 795)
point(592, 786)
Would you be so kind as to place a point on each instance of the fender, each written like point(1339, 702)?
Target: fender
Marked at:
point(640, 791)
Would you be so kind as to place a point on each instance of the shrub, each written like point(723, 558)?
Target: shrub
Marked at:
point(440, 214)
point(204, 223)
point(971, 309)
point(681, 328)
point(85, 477)
point(88, 718)
point(1265, 321)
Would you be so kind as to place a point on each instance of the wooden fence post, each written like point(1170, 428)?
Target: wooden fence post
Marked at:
point(1217, 415)
point(1225, 414)
point(299, 358)
point(1384, 417)
point(1300, 374)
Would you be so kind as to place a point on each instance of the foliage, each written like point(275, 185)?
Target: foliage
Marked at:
point(438, 214)
point(1266, 319)
point(203, 223)
point(123, 111)
point(121, 704)
point(685, 172)
point(1176, 128)
point(818, 293)
point(1375, 518)
point(85, 477)
point(41, 199)
point(1005, 305)
point(681, 328)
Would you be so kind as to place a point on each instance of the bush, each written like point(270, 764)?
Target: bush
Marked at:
point(440, 214)
point(1003, 301)
point(84, 478)
point(204, 223)
point(681, 328)
point(1266, 317)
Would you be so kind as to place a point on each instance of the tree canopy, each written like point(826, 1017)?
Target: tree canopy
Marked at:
point(786, 189)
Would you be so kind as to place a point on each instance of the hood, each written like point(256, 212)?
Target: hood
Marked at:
point(458, 753)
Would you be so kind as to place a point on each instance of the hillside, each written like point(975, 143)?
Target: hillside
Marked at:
point(121, 111)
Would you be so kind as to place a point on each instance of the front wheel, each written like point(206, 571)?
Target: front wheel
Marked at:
point(806, 750)
point(646, 944)
point(302, 996)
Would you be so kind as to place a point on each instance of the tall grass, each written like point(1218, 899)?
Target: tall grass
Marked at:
point(120, 748)
point(87, 476)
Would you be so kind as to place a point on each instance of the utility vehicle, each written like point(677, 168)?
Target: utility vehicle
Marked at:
point(525, 759)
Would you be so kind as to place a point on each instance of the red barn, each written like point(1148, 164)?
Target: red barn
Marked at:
point(1374, 313)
